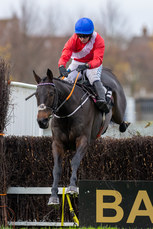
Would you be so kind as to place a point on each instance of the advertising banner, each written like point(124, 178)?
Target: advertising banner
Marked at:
point(126, 204)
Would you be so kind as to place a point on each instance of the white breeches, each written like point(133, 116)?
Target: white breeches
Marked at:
point(92, 74)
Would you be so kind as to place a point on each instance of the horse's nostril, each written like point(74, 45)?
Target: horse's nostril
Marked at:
point(45, 120)
point(43, 123)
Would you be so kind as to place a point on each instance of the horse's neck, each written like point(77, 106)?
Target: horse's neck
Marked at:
point(64, 90)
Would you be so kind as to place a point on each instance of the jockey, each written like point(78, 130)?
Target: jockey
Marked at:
point(86, 49)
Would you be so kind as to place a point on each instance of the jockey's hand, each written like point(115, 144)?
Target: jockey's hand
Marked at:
point(82, 67)
point(63, 71)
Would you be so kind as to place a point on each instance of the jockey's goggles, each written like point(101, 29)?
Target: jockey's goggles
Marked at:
point(83, 35)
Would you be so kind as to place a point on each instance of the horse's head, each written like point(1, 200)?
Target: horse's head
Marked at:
point(45, 95)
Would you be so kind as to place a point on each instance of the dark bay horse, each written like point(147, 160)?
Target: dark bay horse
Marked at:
point(76, 121)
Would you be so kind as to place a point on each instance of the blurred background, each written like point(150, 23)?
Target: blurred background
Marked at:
point(33, 34)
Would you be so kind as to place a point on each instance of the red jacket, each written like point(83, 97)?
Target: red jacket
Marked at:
point(92, 52)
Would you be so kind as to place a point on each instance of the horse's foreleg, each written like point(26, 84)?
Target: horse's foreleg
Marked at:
point(57, 149)
point(81, 148)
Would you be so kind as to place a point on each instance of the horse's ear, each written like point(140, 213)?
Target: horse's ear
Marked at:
point(37, 78)
point(50, 74)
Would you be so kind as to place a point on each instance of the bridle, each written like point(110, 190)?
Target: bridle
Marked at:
point(55, 101)
point(55, 108)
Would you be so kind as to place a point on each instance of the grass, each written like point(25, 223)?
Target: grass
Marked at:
point(11, 227)
point(1, 227)
point(61, 227)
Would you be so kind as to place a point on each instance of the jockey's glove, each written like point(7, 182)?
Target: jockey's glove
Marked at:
point(82, 67)
point(63, 71)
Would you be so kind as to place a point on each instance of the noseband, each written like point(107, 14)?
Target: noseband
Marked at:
point(55, 101)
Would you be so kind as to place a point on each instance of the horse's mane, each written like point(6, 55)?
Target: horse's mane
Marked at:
point(64, 82)
point(60, 80)
point(78, 85)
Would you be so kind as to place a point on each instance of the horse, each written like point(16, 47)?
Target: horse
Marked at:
point(76, 121)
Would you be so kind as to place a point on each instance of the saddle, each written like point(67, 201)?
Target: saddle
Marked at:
point(87, 87)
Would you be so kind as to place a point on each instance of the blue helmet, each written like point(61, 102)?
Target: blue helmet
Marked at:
point(84, 26)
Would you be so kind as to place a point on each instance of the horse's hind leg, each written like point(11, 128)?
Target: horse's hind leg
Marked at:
point(119, 112)
point(57, 149)
point(81, 148)
point(123, 126)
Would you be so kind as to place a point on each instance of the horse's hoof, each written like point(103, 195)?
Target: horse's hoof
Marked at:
point(53, 200)
point(72, 190)
point(123, 126)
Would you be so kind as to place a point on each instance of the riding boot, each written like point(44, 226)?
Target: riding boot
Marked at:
point(101, 101)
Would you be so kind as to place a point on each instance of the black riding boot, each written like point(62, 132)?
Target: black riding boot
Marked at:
point(101, 101)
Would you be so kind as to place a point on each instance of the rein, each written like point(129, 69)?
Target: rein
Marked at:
point(67, 98)
point(73, 86)
point(69, 115)
point(55, 109)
